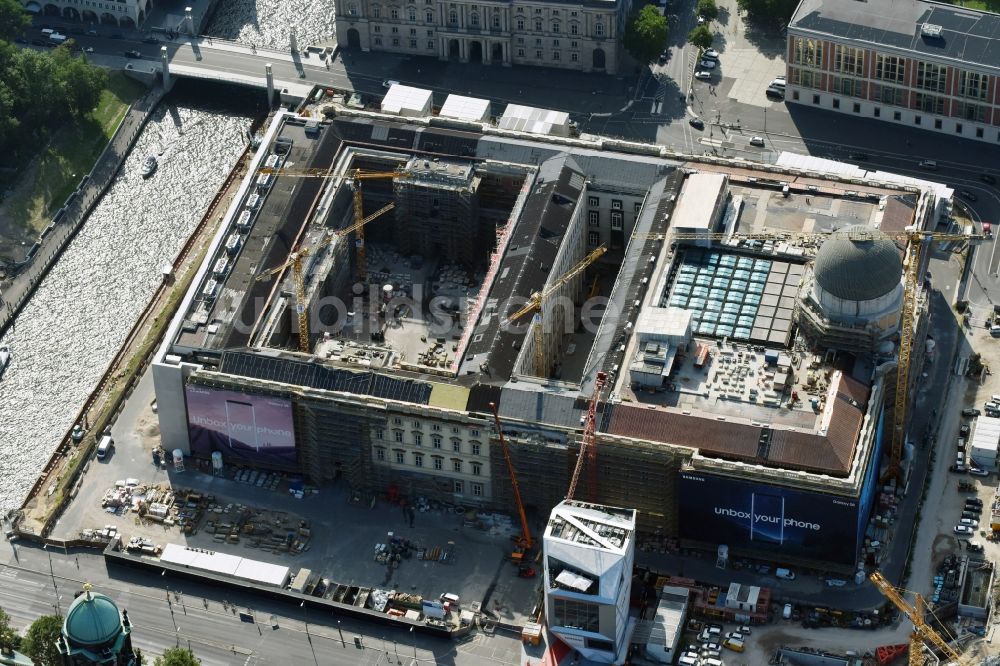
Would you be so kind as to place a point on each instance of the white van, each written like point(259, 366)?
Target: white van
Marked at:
point(104, 447)
point(786, 574)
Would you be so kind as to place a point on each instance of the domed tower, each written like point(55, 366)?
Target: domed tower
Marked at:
point(95, 632)
point(851, 298)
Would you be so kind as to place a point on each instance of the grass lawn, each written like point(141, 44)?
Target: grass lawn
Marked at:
point(67, 158)
point(984, 5)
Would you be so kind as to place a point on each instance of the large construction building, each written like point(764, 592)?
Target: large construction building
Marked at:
point(741, 366)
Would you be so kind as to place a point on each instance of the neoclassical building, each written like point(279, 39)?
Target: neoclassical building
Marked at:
point(583, 35)
point(123, 13)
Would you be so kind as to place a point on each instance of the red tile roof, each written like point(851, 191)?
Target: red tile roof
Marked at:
point(830, 453)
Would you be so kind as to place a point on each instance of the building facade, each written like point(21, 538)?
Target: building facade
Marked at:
point(915, 63)
point(123, 13)
point(583, 35)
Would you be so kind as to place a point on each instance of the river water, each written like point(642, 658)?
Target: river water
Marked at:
point(266, 23)
point(72, 328)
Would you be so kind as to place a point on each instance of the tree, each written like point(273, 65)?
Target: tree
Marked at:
point(708, 9)
point(40, 641)
point(769, 11)
point(701, 37)
point(177, 657)
point(8, 637)
point(646, 34)
point(13, 19)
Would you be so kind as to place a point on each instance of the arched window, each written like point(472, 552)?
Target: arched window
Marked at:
point(376, 11)
point(352, 9)
point(538, 26)
point(430, 17)
point(474, 19)
point(452, 17)
point(574, 28)
point(555, 26)
point(599, 29)
point(496, 20)
point(412, 14)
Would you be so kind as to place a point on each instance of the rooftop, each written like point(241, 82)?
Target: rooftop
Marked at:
point(945, 31)
point(595, 525)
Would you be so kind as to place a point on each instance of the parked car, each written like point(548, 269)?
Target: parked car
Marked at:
point(774, 91)
point(987, 178)
point(757, 141)
point(970, 514)
point(786, 574)
point(388, 83)
point(970, 412)
point(697, 123)
point(744, 629)
point(930, 165)
point(735, 635)
point(964, 530)
point(978, 471)
point(715, 647)
point(974, 501)
point(133, 54)
point(702, 75)
point(711, 53)
point(967, 195)
point(969, 522)
point(708, 64)
point(964, 430)
point(974, 547)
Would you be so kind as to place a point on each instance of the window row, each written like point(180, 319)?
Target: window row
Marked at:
point(436, 441)
point(436, 462)
point(436, 427)
point(594, 219)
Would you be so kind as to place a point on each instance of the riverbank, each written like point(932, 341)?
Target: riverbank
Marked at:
point(40, 184)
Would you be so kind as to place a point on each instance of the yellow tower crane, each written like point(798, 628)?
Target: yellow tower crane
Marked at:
point(357, 176)
point(915, 241)
point(295, 262)
point(538, 298)
point(922, 632)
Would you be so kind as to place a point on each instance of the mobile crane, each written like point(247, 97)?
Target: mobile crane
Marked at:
point(524, 543)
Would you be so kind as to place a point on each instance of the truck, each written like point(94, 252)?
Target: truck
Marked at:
point(57, 38)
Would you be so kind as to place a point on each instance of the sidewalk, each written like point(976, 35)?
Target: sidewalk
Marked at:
point(15, 291)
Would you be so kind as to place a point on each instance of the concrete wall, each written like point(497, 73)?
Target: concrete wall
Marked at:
point(171, 408)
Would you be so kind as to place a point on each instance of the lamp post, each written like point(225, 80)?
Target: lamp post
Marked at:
point(414, 638)
point(341, 632)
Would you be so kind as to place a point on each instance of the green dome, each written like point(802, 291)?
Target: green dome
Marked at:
point(92, 619)
point(862, 266)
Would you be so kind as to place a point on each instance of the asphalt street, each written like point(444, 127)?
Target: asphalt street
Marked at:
point(167, 613)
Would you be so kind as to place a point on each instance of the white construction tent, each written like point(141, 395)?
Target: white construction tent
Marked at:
point(407, 101)
point(210, 561)
point(534, 121)
point(460, 107)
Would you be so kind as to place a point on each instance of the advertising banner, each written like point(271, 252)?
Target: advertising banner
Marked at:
point(744, 514)
point(256, 429)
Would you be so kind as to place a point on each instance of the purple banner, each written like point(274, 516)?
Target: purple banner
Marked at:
point(254, 429)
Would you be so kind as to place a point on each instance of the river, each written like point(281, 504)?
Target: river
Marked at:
point(266, 23)
point(64, 339)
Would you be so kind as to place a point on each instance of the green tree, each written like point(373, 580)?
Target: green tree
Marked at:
point(701, 37)
point(646, 34)
point(177, 657)
point(8, 637)
point(40, 640)
point(777, 12)
point(708, 9)
point(13, 19)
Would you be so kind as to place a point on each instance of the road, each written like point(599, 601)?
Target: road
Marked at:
point(196, 618)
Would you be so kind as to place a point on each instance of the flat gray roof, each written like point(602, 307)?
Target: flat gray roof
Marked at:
point(966, 35)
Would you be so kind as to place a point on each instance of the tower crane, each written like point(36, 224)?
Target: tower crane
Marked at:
point(915, 240)
point(538, 298)
point(357, 177)
point(295, 261)
point(525, 541)
point(922, 632)
point(589, 445)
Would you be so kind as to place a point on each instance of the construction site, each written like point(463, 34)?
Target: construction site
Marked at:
point(388, 295)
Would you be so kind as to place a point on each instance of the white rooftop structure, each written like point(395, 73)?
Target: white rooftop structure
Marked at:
point(588, 554)
point(984, 442)
point(662, 634)
point(407, 101)
point(254, 571)
point(465, 108)
point(660, 334)
point(699, 203)
point(671, 325)
point(535, 121)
